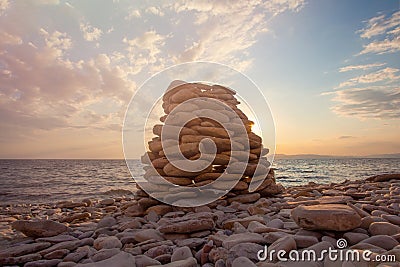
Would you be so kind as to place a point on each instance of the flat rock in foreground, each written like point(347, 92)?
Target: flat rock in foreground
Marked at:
point(334, 217)
point(42, 228)
point(189, 223)
point(122, 259)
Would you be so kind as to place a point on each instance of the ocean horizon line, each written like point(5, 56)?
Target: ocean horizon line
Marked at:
point(276, 156)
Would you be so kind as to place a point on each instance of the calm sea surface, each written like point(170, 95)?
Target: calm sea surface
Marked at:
point(47, 181)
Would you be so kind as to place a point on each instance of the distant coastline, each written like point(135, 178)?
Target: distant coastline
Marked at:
point(277, 156)
point(316, 156)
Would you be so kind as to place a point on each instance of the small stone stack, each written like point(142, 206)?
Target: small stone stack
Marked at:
point(202, 127)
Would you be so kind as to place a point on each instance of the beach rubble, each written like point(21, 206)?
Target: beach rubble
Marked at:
point(221, 233)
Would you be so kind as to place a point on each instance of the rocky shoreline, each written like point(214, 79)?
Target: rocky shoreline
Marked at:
point(135, 231)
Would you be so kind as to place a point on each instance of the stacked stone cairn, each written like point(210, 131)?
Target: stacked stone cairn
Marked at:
point(190, 137)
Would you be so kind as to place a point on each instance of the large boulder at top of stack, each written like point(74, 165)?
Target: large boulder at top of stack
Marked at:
point(232, 135)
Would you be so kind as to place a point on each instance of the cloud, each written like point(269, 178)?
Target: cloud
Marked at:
point(361, 67)
point(54, 83)
point(389, 45)
point(386, 30)
point(217, 36)
point(223, 37)
point(380, 25)
point(147, 41)
point(9, 39)
point(375, 93)
point(368, 103)
point(132, 14)
point(155, 11)
point(90, 33)
point(46, 2)
point(388, 75)
point(209, 32)
point(4, 4)
point(43, 90)
point(57, 40)
point(144, 50)
point(346, 137)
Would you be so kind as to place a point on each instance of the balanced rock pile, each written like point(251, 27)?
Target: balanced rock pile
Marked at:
point(239, 153)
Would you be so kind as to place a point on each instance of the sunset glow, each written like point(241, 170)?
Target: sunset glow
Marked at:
point(69, 68)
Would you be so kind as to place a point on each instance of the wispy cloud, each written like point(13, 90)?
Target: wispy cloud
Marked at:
point(387, 75)
point(346, 137)
point(222, 37)
point(209, 32)
point(388, 45)
point(375, 93)
point(385, 30)
point(368, 103)
point(361, 67)
point(380, 25)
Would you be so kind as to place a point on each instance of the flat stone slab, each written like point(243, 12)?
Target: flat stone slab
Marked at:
point(42, 228)
point(330, 217)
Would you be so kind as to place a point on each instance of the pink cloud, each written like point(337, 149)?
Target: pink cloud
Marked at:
point(41, 88)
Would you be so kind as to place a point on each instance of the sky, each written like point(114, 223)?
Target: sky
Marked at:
point(330, 69)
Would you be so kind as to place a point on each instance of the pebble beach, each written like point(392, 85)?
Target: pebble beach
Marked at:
point(138, 231)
